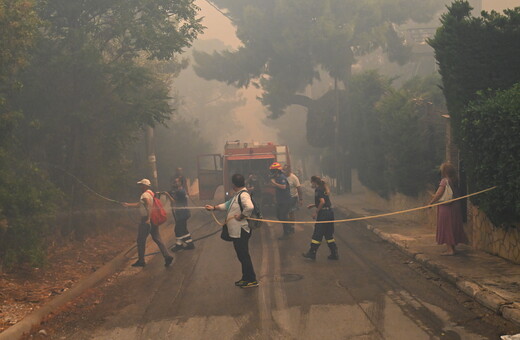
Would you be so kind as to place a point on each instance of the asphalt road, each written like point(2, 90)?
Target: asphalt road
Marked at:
point(373, 292)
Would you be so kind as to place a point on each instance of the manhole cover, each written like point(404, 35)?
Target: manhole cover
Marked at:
point(291, 277)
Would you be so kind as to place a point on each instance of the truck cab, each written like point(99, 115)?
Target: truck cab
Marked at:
point(239, 157)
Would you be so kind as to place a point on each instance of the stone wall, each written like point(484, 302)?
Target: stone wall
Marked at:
point(497, 241)
point(482, 234)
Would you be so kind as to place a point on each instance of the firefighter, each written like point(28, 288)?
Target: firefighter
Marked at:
point(323, 212)
point(179, 199)
point(283, 198)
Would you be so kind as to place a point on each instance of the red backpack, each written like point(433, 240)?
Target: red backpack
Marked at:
point(158, 214)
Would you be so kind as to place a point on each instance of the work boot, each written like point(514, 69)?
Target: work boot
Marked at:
point(311, 255)
point(333, 255)
point(168, 260)
point(333, 252)
point(138, 264)
point(189, 246)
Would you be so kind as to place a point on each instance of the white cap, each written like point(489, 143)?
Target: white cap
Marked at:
point(146, 182)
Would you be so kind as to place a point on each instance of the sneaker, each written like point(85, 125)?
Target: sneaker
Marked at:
point(249, 284)
point(309, 255)
point(139, 264)
point(177, 248)
point(240, 283)
point(189, 246)
point(168, 260)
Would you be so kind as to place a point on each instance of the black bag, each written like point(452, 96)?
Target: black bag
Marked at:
point(256, 213)
point(225, 234)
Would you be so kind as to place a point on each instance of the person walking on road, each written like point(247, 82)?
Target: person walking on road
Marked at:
point(450, 230)
point(296, 191)
point(238, 208)
point(323, 212)
point(283, 198)
point(179, 200)
point(146, 226)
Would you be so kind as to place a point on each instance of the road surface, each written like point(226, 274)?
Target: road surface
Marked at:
point(373, 292)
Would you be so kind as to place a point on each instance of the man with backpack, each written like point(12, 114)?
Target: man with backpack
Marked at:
point(238, 208)
point(147, 225)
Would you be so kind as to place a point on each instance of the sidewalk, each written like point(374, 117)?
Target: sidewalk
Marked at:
point(492, 281)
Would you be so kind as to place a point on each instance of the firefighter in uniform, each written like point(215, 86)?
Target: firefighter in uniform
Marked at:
point(323, 212)
point(283, 198)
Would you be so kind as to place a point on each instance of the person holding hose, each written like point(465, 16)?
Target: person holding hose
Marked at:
point(450, 230)
point(238, 208)
point(146, 227)
point(323, 212)
point(283, 198)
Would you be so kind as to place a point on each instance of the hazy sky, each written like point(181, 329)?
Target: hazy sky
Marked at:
point(250, 115)
point(499, 5)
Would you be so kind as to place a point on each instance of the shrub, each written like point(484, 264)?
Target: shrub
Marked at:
point(490, 128)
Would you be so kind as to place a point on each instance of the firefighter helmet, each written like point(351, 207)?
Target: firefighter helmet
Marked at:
point(275, 166)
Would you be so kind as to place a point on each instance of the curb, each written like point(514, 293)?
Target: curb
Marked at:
point(509, 310)
point(35, 318)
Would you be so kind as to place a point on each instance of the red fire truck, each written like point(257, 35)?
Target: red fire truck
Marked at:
point(243, 158)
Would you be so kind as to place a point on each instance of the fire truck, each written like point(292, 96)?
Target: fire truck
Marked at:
point(244, 158)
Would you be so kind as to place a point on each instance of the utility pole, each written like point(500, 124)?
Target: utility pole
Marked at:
point(337, 151)
point(150, 152)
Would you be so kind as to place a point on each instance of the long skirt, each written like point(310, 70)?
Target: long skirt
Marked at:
point(450, 230)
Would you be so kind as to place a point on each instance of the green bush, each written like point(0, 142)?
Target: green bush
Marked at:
point(28, 203)
point(491, 128)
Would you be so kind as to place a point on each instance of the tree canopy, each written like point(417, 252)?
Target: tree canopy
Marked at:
point(286, 43)
point(93, 78)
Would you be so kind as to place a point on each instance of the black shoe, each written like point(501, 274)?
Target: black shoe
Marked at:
point(309, 255)
point(189, 246)
point(177, 248)
point(168, 260)
point(139, 264)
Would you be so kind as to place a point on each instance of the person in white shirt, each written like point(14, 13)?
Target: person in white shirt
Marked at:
point(296, 191)
point(238, 208)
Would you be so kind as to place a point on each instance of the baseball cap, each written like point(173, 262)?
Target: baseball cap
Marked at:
point(146, 182)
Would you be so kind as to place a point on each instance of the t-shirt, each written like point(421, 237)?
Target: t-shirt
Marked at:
point(294, 183)
point(283, 195)
point(142, 208)
point(320, 193)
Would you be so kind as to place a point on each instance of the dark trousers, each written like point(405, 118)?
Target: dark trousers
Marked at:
point(181, 228)
point(322, 230)
point(242, 249)
point(282, 213)
point(143, 231)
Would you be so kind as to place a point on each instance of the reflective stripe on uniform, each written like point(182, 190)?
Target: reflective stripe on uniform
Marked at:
point(315, 242)
point(331, 240)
